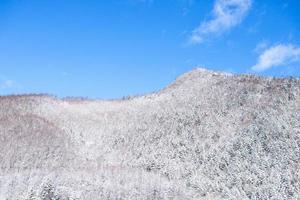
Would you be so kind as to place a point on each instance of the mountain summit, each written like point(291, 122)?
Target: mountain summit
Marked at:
point(209, 135)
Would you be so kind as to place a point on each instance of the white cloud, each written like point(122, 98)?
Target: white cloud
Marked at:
point(65, 74)
point(261, 46)
point(7, 84)
point(225, 15)
point(277, 55)
point(145, 1)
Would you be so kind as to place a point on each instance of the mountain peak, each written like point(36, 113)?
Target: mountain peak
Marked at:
point(201, 72)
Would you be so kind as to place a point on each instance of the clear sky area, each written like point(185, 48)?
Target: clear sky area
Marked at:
point(109, 49)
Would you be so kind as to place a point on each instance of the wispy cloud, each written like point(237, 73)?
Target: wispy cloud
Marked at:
point(145, 1)
point(185, 6)
point(65, 74)
point(281, 54)
point(7, 84)
point(226, 14)
point(261, 46)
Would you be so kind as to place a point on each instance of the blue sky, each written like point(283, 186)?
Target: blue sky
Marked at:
point(110, 49)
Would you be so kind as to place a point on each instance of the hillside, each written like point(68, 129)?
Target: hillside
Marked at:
point(208, 135)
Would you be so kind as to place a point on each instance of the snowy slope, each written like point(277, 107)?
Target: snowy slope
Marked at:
point(209, 135)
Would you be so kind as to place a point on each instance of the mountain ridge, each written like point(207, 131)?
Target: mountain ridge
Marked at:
point(196, 73)
point(208, 136)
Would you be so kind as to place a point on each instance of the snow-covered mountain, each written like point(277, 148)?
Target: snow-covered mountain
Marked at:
point(209, 135)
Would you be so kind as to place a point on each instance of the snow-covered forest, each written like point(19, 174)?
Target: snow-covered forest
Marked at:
point(208, 135)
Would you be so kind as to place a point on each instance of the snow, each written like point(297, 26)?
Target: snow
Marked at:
point(209, 135)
